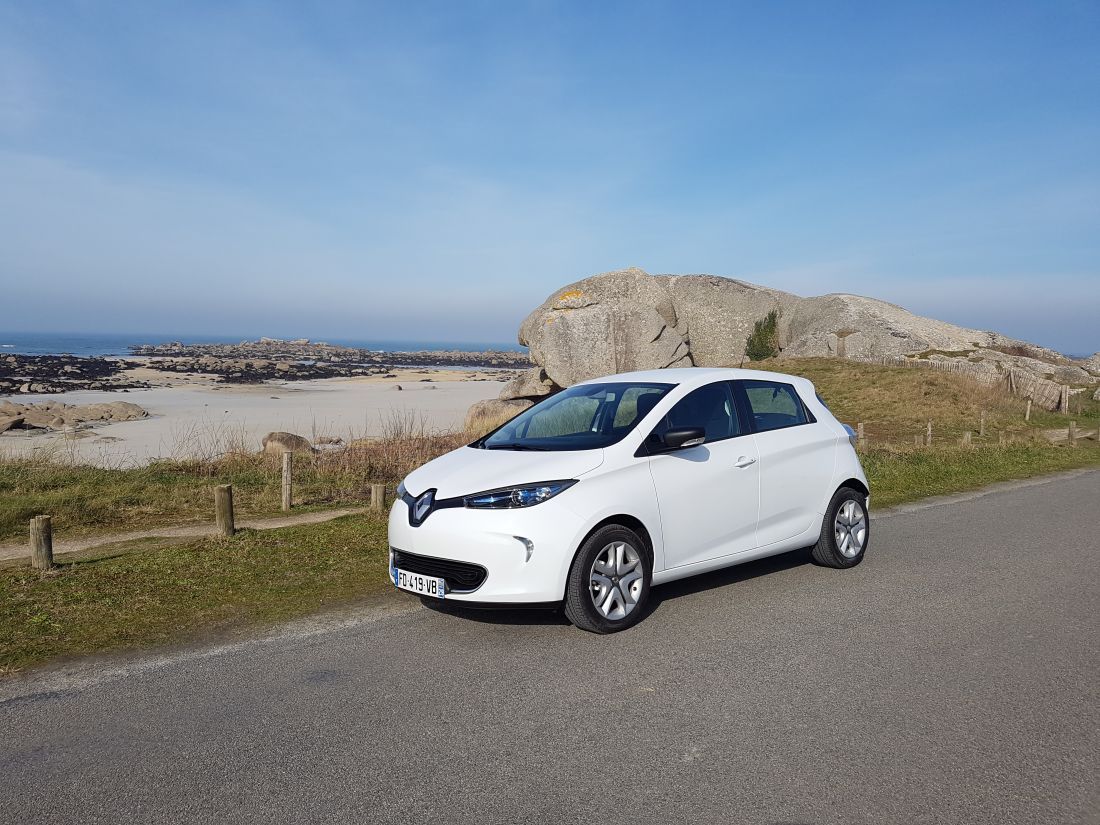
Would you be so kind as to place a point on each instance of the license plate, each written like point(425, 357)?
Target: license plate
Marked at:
point(416, 583)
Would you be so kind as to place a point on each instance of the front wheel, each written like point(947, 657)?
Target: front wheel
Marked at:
point(845, 532)
point(609, 583)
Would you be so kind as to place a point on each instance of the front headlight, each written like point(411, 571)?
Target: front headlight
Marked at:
point(523, 495)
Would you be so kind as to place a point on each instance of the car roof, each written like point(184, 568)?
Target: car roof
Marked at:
point(697, 376)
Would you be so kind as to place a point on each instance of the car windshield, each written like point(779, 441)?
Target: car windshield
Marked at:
point(583, 417)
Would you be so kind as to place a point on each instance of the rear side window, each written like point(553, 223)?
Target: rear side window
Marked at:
point(773, 405)
point(710, 407)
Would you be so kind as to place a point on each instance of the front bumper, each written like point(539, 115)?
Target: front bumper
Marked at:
point(525, 552)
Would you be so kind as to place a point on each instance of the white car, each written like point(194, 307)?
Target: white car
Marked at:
point(612, 486)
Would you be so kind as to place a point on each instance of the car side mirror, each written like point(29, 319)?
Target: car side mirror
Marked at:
point(683, 437)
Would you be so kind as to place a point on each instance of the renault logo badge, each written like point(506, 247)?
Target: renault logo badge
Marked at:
point(423, 506)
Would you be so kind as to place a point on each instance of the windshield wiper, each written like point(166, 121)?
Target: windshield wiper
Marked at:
point(516, 447)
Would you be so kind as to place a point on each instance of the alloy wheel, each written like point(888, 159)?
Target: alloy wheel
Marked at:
point(615, 581)
point(850, 528)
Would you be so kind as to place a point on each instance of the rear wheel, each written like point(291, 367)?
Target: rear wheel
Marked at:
point(609, 583)
point(845, 532)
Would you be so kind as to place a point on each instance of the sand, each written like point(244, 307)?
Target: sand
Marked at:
point(201, 419)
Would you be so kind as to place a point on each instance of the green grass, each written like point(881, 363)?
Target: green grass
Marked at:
point(901, 476)
point(87, 500)
point(895, 404)
point(84, 499)
point(157, 593)
point(199, 588)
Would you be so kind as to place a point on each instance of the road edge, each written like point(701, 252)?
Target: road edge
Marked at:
point(980, 492)
point(56, 681)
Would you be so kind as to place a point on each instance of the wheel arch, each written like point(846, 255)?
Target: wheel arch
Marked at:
point(624, 520)
point(855, 484)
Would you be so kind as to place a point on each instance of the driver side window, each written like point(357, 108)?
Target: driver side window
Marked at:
point(710, 407)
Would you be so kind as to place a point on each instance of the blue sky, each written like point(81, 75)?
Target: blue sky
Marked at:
point(435, 170)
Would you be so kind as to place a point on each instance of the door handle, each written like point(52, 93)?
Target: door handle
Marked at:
point(744, 461)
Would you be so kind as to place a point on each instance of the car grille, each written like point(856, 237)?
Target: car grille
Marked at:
point(461, 577)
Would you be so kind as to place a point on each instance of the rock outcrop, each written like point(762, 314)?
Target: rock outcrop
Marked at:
point(611, 323)
point(279, 442)
point(628, 320)
point(53, 415)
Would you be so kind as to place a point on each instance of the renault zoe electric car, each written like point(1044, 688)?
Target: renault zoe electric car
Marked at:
point(603, 490)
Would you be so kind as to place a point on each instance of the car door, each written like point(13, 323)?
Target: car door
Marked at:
point(797, 455)
point(707, 495)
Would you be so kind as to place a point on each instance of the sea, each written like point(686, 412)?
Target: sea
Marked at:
point(90, 345)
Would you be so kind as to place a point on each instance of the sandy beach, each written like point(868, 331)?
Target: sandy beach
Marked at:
point(199, 419)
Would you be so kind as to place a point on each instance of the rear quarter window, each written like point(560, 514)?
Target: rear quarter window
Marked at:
point(774, 405)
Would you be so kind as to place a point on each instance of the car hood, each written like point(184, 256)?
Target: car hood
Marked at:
point(471, 470)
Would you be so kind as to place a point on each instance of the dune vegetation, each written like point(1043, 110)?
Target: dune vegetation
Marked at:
point(155, 591)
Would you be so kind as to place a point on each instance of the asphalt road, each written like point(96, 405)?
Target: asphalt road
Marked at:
point(952, 677)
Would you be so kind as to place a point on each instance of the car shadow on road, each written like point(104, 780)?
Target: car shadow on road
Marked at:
point(673, 590)
point(549, 615)
point(725, 577)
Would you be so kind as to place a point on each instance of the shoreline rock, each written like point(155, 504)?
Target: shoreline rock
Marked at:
point(284, 357)
point(51, 374)
point(244, 363)
point(56, 417)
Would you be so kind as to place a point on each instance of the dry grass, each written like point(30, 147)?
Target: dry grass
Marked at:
point(482, 423)
point(896, 403)
point(87, 499)
point(898, 475)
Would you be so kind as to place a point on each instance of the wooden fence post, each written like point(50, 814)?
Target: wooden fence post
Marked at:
point(41, 543)
point(1001, 437)
point(928, 435)
point(981, 425)
point(918, 440)
point(1027, 412)
point(860, 437)
point(223, 509)
point(378, 497)
point(965, 442)
point(1073, 433)
point(288, 471)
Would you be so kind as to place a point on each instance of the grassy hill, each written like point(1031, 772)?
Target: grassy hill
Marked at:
point(896, 403)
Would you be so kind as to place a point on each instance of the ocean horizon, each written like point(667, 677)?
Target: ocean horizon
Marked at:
point(91, 345)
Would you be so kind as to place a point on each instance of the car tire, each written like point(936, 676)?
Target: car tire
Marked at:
point(609, 582)
point(845, 530)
